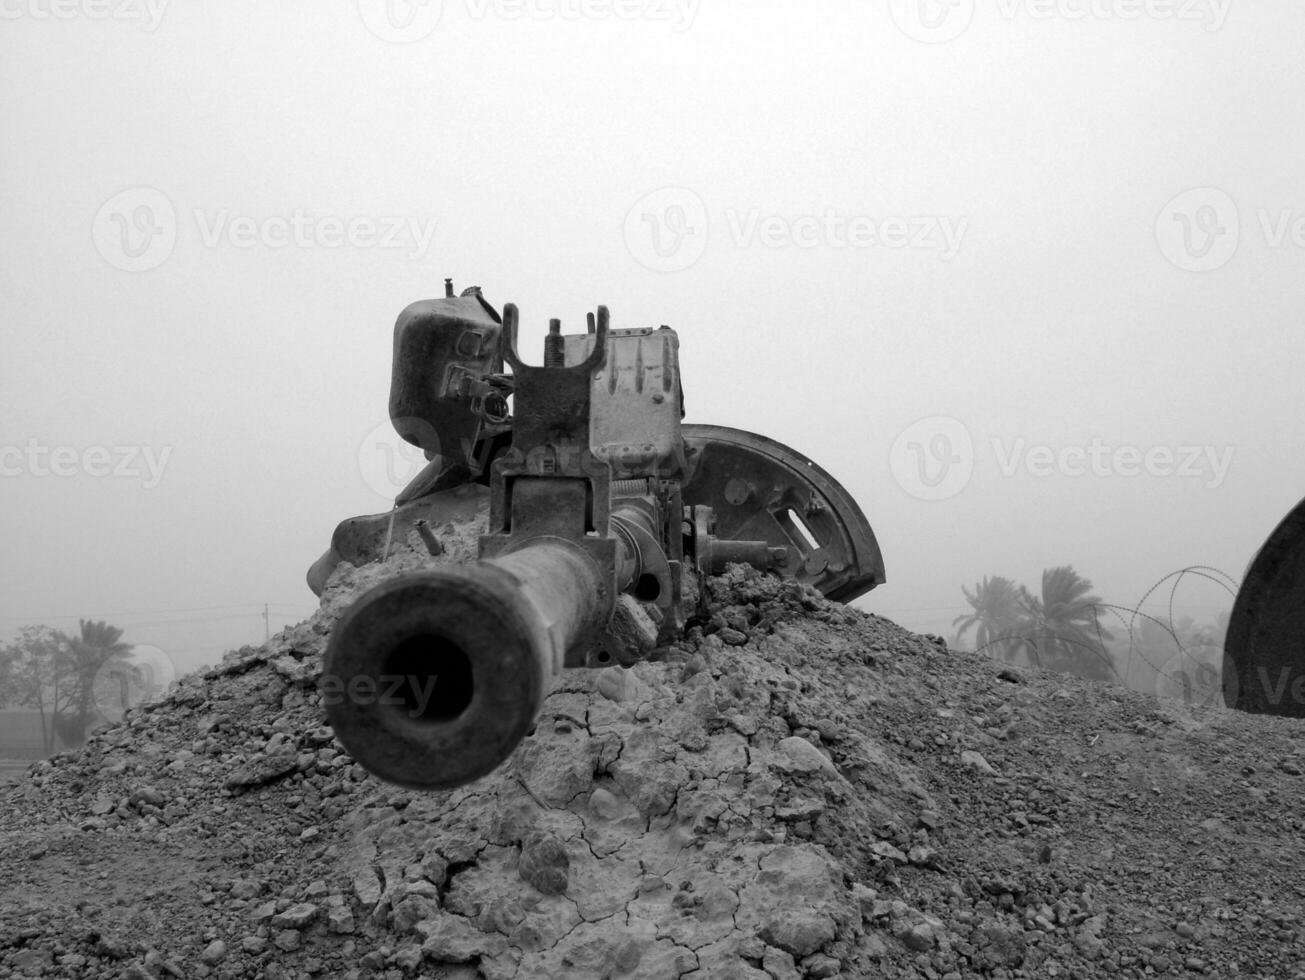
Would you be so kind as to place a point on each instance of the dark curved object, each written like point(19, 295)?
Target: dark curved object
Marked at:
point(1264, 662)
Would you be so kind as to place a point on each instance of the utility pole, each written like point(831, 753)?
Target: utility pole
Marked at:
point(267, 626)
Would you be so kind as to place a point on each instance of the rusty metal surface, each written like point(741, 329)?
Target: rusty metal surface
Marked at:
point(442, 395)
point(1264, 662)
point(761, 489)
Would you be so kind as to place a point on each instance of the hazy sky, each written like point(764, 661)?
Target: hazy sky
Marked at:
point(1025, 277)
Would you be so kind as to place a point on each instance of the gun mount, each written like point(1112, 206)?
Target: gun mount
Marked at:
point(604, 512)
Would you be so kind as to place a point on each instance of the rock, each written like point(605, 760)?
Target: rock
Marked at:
point(544, 864)
point(976, 761)
point(820, 966)
point(922, 856)
point(32, 960)
point(616, 684)
point(919, 937)
point(885, 850)
point(296, 917)
point(316, 890)
point(339, 920)
point(262, 770)
point(605, 805)
point(244, 889)
point(452, 939)
point(998, 946)
point(779, 965)
point(287, 940)
point(805, 757)
point(214, 953)
point(798, 931)
point(410, 911)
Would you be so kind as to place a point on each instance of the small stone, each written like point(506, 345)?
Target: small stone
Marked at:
point(408, 958)
point(263, 769)
point(800, 809)
point(253, 945)
point(922, 856)
point(799, 931)
point(245, 889)
point(33, 960)
point(975, 760)
point(803, 756)
point(614, 684)
point(604, 804)
point(1289, 767)
point(733, 637)
point(820, 966)
point(287, 940)
point(214, 953)
point(410, 911)
point(780, 965)
point(865, 899)
point(919, 938)
point(340, 921)
point(885, 850)
point(295, 917)
point(544, 863)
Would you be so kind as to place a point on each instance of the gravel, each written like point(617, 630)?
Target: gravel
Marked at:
point(801, 790)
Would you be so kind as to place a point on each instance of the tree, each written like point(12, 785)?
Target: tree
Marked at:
point(56, 675)
point(996, 615)
point(32, 672)
point(98, 651)
point(1061, 630)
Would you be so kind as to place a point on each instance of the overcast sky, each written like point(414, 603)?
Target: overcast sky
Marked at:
point(1026, 278)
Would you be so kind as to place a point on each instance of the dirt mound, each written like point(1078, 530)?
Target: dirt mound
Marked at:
point(801, 790)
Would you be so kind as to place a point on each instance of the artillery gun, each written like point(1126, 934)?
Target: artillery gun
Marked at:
point(605, 513)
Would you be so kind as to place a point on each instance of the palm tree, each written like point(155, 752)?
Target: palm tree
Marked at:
point(996, 615)
point(1061, 630)
point(98, 647)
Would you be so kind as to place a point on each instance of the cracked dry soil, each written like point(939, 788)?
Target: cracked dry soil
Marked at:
point(801, 790)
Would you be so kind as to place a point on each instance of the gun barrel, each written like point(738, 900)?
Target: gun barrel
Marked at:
point(432, 679)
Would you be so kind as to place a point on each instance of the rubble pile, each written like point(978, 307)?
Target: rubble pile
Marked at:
point(801, 790)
